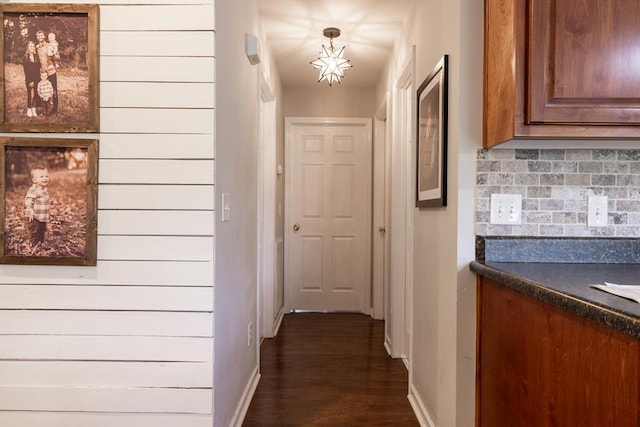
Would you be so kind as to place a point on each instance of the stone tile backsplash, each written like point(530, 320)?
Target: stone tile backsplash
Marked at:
point(555, 185)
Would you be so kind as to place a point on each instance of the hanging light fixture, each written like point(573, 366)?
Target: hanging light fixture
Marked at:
point(331, 63)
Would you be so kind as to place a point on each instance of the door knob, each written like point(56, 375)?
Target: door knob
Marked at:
point(381, 229)
point(296, 227)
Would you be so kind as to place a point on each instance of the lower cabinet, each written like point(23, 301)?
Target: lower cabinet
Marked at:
point(539, 365)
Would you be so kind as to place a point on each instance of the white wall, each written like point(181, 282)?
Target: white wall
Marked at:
point(236, 240)
point(442, 370)
point(321, 100)
point(130, 341)
point(470, 74)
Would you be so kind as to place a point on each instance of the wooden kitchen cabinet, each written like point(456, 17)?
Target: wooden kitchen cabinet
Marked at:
point(541, 365)
point(561, 69)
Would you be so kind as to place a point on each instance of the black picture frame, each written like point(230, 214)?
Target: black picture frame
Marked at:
point(431, 132)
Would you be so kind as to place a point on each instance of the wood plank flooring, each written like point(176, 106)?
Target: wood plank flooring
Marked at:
point(330, 370)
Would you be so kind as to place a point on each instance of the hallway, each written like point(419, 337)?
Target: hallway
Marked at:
point(330, 370)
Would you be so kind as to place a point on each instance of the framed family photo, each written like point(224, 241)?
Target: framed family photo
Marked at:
point(48, 203)
point(431, 185)
point(49, 79)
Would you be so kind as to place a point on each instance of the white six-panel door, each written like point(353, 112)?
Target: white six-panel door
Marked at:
point(328, 214)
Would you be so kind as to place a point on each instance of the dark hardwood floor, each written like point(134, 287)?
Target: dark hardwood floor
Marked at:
point(330, 370)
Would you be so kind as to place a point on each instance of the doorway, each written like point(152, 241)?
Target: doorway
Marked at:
point(328, 214)
point(402, 197)
point(270, 303)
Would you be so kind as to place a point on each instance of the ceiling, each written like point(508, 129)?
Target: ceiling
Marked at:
point(368, 28)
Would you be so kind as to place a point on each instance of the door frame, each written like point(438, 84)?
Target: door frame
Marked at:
point(379, 256)
point(267, 177)
point(399, 315)
point(290, 122)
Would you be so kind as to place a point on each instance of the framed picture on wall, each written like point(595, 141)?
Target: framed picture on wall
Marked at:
point(431, 180)
point(48, 201)
point(49, 79)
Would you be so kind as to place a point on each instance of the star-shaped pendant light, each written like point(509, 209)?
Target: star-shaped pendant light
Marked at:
point(331, 63)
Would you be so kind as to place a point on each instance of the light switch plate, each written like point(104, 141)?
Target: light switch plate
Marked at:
point(226, 209)
point(597, 211)
point(506, 209)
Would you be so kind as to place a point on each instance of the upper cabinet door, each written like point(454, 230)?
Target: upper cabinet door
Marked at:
point(561, 69)
point(584, 62)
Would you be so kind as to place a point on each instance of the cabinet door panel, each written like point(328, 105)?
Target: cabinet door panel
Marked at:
point(584, 62)
point(540, 365)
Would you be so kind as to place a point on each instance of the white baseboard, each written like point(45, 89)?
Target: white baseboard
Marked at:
point(278, 321)
point(406, 362)
point(245, 400)
point(419, 409)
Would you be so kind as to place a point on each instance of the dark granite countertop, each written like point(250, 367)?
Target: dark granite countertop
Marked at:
point(566, 285)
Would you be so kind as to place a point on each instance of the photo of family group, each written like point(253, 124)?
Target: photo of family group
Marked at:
point(48, 71)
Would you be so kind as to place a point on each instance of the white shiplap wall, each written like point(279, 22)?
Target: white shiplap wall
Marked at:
point(130, 342)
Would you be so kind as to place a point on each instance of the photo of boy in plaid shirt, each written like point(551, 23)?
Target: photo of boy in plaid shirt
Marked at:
point(36, 205)
point(46, 92)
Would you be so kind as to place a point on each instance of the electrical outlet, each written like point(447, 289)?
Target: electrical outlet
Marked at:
point(250, 334)
point(506, 209)
point(597, 211)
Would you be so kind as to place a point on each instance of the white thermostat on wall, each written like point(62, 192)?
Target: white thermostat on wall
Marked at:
point(252, 48)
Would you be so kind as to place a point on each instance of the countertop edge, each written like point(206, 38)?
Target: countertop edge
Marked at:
point(581, 307)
